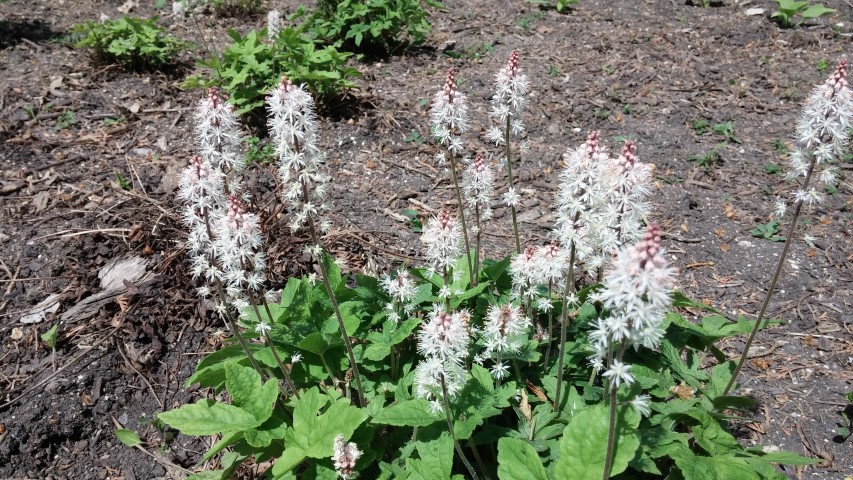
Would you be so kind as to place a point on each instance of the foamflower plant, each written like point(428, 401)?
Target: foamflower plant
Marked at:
point(443, 369)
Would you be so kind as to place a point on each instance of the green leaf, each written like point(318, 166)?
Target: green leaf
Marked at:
point(436, 459)
point(479, 400)
point(815, 11)
point(226, 441)
point(49, 337)
point(411, 413)
point(128, 437)
point(787, 458)
point(207, 417)
point(694, 467)
point(312, 433)
point(517, 460)
point(244, 386)
point(584, 443)
point(710, 435)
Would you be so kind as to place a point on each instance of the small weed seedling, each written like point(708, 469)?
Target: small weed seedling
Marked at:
point(707, 160)
point(822, 65)
point(845, 425)
point(772, 168)
point(414, 220)
point(768, 231)
point(700, 126)
point(123, 182)
point(415, 137)
point(66, 120)
point(779, 146)
point(727, 130)
point(256, 152)
point(789, 9)
point(49, 337)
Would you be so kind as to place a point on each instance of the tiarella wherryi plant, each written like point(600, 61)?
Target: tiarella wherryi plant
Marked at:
point(403, 376)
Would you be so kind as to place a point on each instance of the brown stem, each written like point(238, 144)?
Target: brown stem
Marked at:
point(472, 280)
point(331, 293)
point(797, 208)
point(509, 173)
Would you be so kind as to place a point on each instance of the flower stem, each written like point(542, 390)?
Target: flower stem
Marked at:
point(332, 298)
point(477, 240)
point(570, 286)
point(797, 208)
point(472, 280)
point(509, 172)
point(550, 325)
point(611, 428)
point(287, 380)
point(453, 432)
point(611, 436)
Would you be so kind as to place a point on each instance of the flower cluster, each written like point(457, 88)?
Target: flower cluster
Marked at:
point(636, 293)
point(478, 185)
point(202, 191)
point(273, 24)
point(505, 330)
point(442, 237)
point(449, 115)
point(628, 190)
point(218, 134)
point(344, 456)
point(822, 133)
point(293, 127)
point(582, 200)
point(443, 342)
point(509, 101)
point(538, 266)
point(401, 288)
point(237, 244)
point(602, 201)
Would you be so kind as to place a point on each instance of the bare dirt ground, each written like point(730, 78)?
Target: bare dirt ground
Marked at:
point(644, 70)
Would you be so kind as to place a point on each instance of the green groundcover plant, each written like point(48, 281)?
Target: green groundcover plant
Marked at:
point(578, 359)
point(372, 25)
point(251, 65)
point(134, 43)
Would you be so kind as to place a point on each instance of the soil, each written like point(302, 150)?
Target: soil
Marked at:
point(644, 70)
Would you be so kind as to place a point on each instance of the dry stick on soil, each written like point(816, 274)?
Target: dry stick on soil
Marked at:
point(73, 360)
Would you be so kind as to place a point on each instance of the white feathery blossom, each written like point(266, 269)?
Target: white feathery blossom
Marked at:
point(400, 288)
point(478, 186)
point(273, 24)
point(237, 245)
point(202, 190)
point(582, 202)
point(822, 132)
point(509, 101)
point(629, 187)
point(524, 271)
point(449, 115)
point(218, 134)
point(506, 329)
point(637, 292)
point(293, 127)
point(442, 237)
point(443, 341)
point(344, 456)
